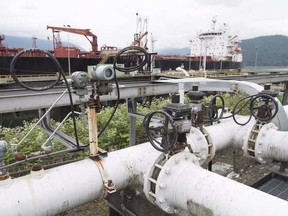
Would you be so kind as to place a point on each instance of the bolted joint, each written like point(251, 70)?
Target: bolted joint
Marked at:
point(92, 103)
point(110, 186)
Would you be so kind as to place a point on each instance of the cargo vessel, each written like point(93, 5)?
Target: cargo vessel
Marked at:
point(215, 49)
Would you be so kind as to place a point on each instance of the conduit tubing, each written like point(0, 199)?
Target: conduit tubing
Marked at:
point(62, 188)
point(203, 193)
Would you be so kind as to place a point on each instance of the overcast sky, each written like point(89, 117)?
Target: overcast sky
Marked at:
point(172, 22)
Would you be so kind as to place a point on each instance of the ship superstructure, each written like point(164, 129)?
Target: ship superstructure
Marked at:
point(216, 45)
point(215, 49)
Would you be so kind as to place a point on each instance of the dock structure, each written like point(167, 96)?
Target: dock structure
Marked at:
point(130, 87)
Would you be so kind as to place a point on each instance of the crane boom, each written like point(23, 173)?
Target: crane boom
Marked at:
point(85, 32)
point(137, 41)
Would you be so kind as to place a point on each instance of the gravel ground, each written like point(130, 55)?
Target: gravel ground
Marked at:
point(229, 162)
point(95, 208)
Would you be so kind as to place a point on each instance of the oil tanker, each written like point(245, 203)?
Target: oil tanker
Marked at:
point(215, 49)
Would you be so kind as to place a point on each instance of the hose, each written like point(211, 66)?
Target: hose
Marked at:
point(61, 73)
point(124, 70)
point(15, 78)
point(130, 50)
point(251, 99)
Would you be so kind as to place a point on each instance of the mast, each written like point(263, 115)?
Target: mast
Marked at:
point(214, 20)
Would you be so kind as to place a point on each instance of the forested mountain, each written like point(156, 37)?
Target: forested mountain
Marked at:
point(269, 50)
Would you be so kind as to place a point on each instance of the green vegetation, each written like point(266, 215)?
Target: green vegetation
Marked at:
point(116, 135)
point(230, 101)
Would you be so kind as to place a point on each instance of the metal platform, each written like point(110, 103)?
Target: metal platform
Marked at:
point(16, 100)
point(19, 99)
point(274, 184)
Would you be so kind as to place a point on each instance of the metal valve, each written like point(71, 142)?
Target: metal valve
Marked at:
point(172, 123)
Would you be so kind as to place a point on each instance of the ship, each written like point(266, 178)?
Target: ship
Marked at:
point(215, 49)
point(70, 58)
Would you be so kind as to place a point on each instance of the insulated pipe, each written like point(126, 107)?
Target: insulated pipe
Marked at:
point(183, 186)
point(59, 189)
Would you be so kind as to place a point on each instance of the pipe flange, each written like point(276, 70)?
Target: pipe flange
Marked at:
point(199, 144)
point(210, 145)
point(162, 183)
point(250, 140)
point(151, 176)
point(260, 144)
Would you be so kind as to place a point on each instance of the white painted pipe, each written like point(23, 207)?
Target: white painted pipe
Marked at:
point(183, 186)
point(182, 70)
point(62, 188)
point(53, 191)
point(229, 134)
point(189, 187)
point(220, 136)
point(286, 109)
point(181, 92)
point(271, 144)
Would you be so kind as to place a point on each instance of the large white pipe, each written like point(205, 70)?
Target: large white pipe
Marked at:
point(229, 134)
point(51, 192)
point(182, 185)
point(62, 188)
point(219, 136)
point(271, 144)
point(188, 186)
point(286, 109)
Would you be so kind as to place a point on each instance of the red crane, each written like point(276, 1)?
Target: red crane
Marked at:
point(141, 32)
point(86, 32)
point(138, 38)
